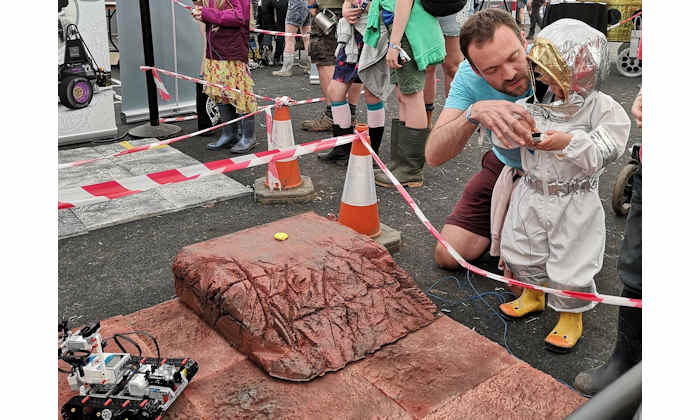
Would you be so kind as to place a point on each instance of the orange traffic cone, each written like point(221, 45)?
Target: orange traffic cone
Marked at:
point(283, 173)
point(358, 206)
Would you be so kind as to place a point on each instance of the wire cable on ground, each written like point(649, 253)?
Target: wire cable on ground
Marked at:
point(464, 298)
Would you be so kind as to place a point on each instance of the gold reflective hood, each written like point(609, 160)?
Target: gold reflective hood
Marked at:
point(573, 54)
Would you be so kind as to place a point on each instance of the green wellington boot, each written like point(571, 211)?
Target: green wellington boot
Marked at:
point(410, 158)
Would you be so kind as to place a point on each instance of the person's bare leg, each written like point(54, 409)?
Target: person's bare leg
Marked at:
point(468, 244)
point(306, 39)
point(452, 61)
point(288, 56)
point(289, 40)
point(414, 110)
point(429, 90)
point(354, 93)
point(325, 74)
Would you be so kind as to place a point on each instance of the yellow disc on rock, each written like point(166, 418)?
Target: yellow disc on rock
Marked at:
point(281, 236)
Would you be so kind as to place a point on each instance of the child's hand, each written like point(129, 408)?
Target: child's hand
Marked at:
point(554, 140)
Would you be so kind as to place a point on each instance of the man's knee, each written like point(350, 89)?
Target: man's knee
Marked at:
point(444, 259)
point(468, 244)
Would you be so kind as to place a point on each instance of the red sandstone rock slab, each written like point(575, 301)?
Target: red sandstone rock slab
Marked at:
point(181, 333)
point(305, 306)
point(246, 392)
point(521, 392)
point(436, 364)
point(443, 371)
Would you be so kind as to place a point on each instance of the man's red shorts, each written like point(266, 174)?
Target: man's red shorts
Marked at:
point(473, 210)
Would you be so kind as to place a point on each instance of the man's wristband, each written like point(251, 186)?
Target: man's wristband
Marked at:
point(312, 6)
point(394, 46)
point(468, 115)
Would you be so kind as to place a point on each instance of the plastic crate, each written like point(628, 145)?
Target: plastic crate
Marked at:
point(627, 8)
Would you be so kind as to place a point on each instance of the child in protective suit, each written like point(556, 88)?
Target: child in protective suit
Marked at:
point(554, 232)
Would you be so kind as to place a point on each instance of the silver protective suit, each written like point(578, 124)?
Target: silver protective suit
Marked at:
point(554, 232)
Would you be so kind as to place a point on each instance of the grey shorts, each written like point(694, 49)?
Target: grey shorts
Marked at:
point(297, 13)
point(449, 25)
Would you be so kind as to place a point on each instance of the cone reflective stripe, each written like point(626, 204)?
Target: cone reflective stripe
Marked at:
point(287, 174)
point(358, 205)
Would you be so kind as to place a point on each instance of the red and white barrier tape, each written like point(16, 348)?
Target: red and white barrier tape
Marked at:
point(179, 3)
point(178, 119)
point(160, 143)
point(265, 31)
point(156, 70)
point(593, 297)
point(160, 86)
point(611, 27)
point(108, 190)
point(283, 100)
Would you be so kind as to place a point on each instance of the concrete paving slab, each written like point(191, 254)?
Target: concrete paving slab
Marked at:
point(155, 160)
point(69, 224)
point(206, 190)
point(150, 203)
point(133, 207)
point(90, 173)
point(72, 155)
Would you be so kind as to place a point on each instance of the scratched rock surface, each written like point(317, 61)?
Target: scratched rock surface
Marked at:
point(304, 306)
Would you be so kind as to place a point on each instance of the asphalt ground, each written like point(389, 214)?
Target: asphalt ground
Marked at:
point(124, 268)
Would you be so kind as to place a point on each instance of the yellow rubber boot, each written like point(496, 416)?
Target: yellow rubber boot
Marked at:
point(529, 301)
point(566, 333)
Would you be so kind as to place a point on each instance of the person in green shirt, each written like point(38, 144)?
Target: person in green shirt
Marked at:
point(418, 34)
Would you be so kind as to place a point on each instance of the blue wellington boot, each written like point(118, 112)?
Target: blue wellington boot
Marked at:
point(229, 133)
point(247, 141)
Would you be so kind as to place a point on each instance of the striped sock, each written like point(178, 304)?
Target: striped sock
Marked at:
point(341, 114)
point(375, 115)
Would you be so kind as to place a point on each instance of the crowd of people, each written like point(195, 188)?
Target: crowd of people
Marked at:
point(535, 201)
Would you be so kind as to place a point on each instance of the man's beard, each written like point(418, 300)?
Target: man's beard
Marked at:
point(512, 87)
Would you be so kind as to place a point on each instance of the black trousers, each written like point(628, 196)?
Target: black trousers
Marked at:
point(629, 262)
point(272, 16)
point(203, 120)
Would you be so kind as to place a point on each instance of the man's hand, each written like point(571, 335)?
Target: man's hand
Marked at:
point(197, 13)
point(497, 116)
point(350, 13)
point(637, 109)
point(554, 140)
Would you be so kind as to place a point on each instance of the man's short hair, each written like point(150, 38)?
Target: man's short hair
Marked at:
point(481, 26)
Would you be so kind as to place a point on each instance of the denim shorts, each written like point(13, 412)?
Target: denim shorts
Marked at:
point(449, 25)
point(297, 13)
